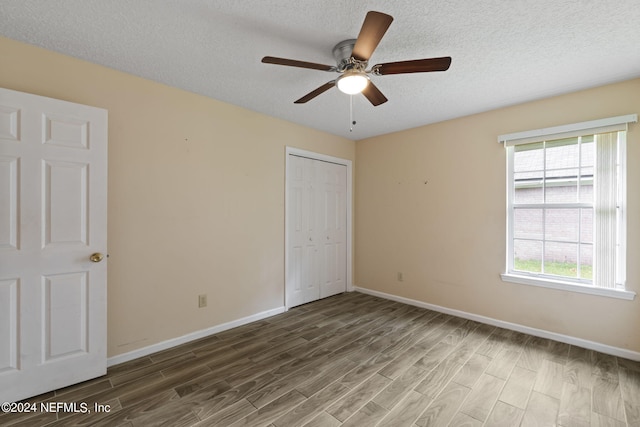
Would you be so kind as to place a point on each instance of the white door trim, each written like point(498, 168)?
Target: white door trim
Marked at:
point(325, 158)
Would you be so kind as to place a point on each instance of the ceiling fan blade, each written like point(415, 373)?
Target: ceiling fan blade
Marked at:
point(373, 28)
point(308, 97)
point(294, 63)
point(415, 66)
point(374, 95)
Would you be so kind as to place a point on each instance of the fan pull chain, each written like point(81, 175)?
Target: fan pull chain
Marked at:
point(351, 120)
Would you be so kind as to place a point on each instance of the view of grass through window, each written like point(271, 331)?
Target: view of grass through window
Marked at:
point(565, 269)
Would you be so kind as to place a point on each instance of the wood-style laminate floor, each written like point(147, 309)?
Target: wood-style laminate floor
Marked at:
point(358, 360)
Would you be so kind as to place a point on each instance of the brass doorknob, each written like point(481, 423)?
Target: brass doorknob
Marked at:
point(97, 257)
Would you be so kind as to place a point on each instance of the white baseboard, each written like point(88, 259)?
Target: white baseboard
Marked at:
point(154, 348)
point(591, 345)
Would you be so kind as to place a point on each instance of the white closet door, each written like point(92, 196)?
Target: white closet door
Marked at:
point(303, 270)
point(333, 234)
point(317, 232)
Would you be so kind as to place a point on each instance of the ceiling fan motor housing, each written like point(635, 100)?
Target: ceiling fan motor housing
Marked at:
point(342, 54)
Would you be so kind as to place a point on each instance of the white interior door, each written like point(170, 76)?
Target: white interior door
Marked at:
point(53, 201)
point(316, 229)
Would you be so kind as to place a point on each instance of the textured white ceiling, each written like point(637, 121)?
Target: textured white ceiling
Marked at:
point(504, 51)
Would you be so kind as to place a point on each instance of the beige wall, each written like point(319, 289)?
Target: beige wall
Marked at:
point(430, 203)
point(196, 196)
point(196, 205)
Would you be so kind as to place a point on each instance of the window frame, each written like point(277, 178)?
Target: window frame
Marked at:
point(557, 282)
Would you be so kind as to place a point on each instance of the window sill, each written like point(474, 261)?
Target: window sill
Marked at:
point(566, 286)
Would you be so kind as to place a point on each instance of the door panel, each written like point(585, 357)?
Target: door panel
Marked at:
point(8, 203)
point(334, 231)
point(303, 264)
point(8, 325)
point(65, 203)
point(66, 132)
point(53, 166)
point(65, 310)
point(296, 273)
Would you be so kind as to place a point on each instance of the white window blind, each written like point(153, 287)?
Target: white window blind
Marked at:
point(606, 206)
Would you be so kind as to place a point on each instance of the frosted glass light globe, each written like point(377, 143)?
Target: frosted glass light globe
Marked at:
point(352, 82)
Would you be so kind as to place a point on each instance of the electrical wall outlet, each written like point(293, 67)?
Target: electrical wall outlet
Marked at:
point(202, 300)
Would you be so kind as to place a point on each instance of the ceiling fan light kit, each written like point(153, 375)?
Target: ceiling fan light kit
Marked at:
point(352, 58)
point(352, 82)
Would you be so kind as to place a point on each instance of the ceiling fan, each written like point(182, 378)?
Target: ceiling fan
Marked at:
point(352, 57)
